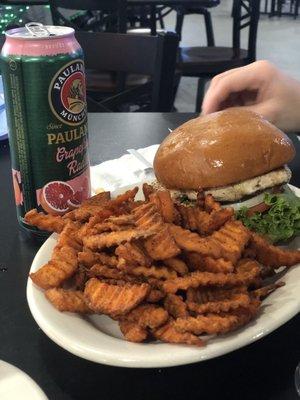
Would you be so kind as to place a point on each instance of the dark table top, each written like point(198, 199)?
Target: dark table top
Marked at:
point(262, 370)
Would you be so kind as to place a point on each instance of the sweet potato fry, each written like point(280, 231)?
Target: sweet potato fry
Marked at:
point(233, 238)
point(45, 222)
point(168, 333)
point(164, 203)
point(78, 280)
point(87, 258)
point(114, 299)
point(161, 245)
point(125, 197)
point(98, 199)
point(133, 254)
point(232, 303)
point(133, 332)
point(98, 242)
point(228, 242)
point(147, 190)
point(177, 265)
point(215, 323)
point(175, 306)
point(83, 214)
point(248, 271)
point(61, 267)
point(209, 264)
point(190, 241)
point(210, 204)
point(155, 295)
point(154, 271)
point(161, 269)
point(147, 316)
point(273, 256)
point(90, 207)
point(102, 271)
point(263, 292)
point(191, 294)
point(195, 219)
point(204, 295)
point(121, 220)
point(69, 236)
point(68, 300)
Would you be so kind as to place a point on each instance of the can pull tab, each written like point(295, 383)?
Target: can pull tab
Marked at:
point(37, 29)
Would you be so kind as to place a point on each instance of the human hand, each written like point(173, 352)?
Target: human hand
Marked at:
point(261, 87)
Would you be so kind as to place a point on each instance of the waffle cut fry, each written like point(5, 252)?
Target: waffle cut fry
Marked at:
point(162, 270)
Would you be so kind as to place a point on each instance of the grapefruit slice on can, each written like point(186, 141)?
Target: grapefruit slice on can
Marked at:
point(75, 200)
point(54, 197)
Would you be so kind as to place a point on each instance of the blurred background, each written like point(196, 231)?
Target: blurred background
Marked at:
point(212, 35)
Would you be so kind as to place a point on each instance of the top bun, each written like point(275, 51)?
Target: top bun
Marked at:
point(220, 149)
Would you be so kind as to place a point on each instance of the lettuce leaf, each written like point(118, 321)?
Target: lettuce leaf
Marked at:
point(281, 222)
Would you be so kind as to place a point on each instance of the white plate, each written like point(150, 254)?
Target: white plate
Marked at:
point(15, 384)
point(98, 338)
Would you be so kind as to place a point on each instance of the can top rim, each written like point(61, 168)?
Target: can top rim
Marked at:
point(55, 33)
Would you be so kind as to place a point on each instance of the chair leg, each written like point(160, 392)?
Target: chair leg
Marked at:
point(179, 22)
point(200, 94)
point(272, 12)
point(279, 5)
point(296, 9)
point(161, 20)
point(266, 6)
point(209, 29)
point(177, 79)
point(153, 20)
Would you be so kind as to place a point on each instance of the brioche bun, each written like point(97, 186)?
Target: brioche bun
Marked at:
point(221, 149)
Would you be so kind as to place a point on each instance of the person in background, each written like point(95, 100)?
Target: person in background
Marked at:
point(260, 87)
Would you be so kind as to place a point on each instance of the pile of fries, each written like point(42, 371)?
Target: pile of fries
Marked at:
point(164, 270)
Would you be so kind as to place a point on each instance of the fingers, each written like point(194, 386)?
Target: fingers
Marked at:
point(269, 109)
point(266, 110)
point(248, 78)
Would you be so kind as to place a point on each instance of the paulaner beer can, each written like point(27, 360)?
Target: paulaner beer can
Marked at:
point(45, 97)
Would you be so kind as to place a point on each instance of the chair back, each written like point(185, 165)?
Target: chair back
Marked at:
point(154, 56)
point(245, 14)
point(86, 4)
point(108, 6)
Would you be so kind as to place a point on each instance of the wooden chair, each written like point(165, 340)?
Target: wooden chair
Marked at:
point(182, 11)
point(295, 4)
point(153, 56)
point(118, 7)
point(140, 16)
point(206, 62)
point(111, 10)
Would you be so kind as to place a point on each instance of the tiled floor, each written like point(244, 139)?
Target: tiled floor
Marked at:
point(278, 41)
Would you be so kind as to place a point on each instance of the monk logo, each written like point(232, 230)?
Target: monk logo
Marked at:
point(67, 93)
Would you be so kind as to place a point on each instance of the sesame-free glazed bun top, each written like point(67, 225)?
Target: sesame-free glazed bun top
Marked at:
point(220, 149)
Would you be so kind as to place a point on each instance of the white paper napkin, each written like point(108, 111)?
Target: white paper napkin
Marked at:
point(123, 171)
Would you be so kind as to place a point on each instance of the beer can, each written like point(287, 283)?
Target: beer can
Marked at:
point(45, 97)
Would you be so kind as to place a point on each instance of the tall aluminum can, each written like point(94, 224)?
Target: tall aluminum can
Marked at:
point(45, 96)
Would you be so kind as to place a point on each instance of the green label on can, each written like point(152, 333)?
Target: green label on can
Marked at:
point(47, 118)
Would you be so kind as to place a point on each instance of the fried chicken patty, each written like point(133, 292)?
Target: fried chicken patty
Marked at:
point(239, 190)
